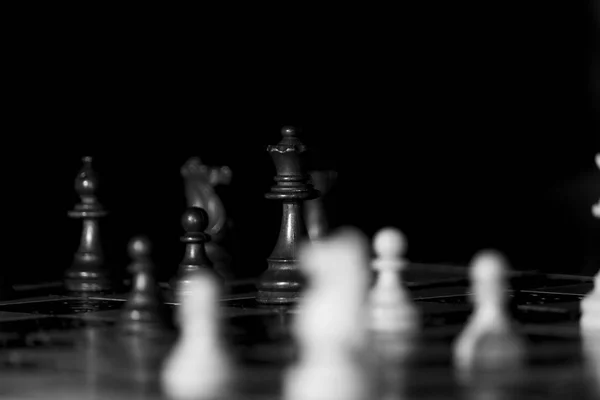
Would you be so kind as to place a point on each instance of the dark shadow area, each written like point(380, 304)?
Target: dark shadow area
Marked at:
point(466, 138)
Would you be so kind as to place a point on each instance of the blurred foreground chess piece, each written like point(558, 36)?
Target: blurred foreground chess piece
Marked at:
point(87, 272)
point(590, 330)
point(489, 342)
point(392, 309)
point(144, 311)
point(281, 282)
point(590, 309)
point(194, 222)
point(200, 181)
point(596, 207)
point(199, 365)
point(315, 214)
point(330, 328)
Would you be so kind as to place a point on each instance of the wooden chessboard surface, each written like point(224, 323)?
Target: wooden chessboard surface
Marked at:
point(55, 345)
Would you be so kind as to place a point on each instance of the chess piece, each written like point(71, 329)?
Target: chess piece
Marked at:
point(200, 182)
point(330, 325)
point(315, 214)
point(590, 309)
point(194, 222)
point(596, 207)
point(392, 309)
point(199, 365)
point(281, 282)
point(87, 272)
point(489, 341)
point(144, 311)
point(590, 330)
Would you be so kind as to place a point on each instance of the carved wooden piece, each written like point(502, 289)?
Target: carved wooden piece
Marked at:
point(200, 182)
point(144, 311)
point(87, 272)
point(281, 283)
point(194, 222)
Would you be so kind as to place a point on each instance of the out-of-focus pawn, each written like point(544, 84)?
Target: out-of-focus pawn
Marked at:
point(199, 366)
point(330, 325)
point(489, 341)
point(392, 309)
point(590, 310)
point(590, 330)
point(194, 222)
point(144, 311)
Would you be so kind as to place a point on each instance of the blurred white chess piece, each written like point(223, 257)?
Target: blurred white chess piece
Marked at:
point(590, 310)
point(198, 366)
point(596, 207)
point(489, 340)
point(330, 326)
point(391, 306)
point(590, 330)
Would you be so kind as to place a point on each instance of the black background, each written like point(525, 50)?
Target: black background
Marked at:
point(464, 129)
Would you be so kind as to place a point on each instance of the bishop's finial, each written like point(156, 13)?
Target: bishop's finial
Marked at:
point(86, 186)
point(86, 182)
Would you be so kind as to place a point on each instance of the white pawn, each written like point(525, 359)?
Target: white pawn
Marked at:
point(590, 329)
point(391, 307)
point(596, 207)
point(489, 340)
point(590, 310)
point(330, 325)
point(198, 366)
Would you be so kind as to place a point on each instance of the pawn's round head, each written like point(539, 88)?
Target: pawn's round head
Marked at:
point(139, 247)
point(389, 243)
point(194, 219)
point(489, 265)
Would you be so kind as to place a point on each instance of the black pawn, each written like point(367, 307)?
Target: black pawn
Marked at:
point(281, 283)
point(145, 310)
point(87, 272)
point(194, 222)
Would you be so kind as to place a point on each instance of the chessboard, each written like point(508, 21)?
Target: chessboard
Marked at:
point(57, 345)
point(94, 334)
